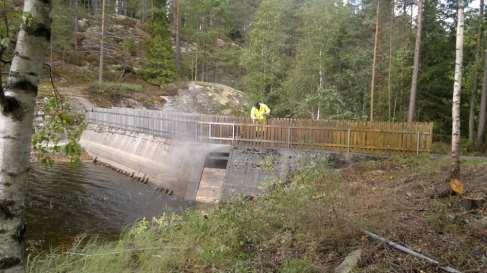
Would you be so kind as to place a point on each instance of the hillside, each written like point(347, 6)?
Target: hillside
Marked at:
point(76, 73)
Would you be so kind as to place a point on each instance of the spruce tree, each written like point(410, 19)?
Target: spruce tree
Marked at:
point(160, 67)
point(267, 56)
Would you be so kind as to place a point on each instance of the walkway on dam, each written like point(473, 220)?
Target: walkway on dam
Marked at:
point(348, 136)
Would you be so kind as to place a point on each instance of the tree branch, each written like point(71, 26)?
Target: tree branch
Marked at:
point(51, 78)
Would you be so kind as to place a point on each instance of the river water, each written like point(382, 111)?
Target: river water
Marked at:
point(64, 202)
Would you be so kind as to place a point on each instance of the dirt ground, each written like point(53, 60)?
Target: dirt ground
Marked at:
point(404, 200)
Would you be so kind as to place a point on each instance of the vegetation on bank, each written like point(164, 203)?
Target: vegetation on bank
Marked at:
point(307, 225)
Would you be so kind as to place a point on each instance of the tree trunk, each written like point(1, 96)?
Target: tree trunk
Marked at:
point(95, 6)
point(102, 44)
point(478, 65)
point(144, 10)
point(17, 112)
point(483, 105)
point(75, 26)
point(417, 58)
point(374, 63)
point(457, 88)
point(389, 77)
point(177, 23)
point(118, 7)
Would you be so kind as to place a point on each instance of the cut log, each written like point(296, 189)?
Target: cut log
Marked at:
point(350, 262)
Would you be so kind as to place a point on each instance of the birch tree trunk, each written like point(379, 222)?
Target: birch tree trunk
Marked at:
point(457, 88)
point(374, 62)
point(417, 58)
point(17, 111)
point(118, 7)
point(102, 43)
point(478, 64)
point(483, 105)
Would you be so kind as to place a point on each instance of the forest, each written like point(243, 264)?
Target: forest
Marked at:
point(390, 61)
point(382, 60)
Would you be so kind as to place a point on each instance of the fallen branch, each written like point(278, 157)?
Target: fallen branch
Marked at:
point(410, 252)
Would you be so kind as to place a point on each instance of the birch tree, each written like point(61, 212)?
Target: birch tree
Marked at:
point(455, 182)
point(17, 102)
point(417, 53)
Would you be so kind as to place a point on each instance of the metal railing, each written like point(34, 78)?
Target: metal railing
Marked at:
point(291, 133)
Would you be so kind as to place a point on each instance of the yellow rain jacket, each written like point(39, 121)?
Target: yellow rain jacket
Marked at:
point(260, 114)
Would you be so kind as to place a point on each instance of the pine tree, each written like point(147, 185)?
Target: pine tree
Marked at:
point(160, 67)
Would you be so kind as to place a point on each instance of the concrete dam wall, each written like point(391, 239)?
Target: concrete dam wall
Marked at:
point(197, 171)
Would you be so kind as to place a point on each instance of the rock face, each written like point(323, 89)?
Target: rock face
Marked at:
point(123, 41)
point(208, 98)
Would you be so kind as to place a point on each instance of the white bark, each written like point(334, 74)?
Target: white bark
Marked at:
point(417, 56)
point(17, 111)
point(118, 7)
point(457, 88)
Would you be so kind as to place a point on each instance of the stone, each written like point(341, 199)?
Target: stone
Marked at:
point(83, 25)
point(350, 262)
point(220, 43)
point(482, 223)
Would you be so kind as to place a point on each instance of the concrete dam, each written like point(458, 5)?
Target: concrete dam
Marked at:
point(197, 158)
point(202, 172)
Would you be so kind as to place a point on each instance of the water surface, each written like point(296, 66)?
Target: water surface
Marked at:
point(64, 202)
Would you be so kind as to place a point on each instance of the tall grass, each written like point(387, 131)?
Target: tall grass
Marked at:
point(291, 229)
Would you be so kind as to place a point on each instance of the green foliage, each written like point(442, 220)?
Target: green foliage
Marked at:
point(62, 25)
point(266, 58)
point(159, 67)
point(60, 131)
point(297, 266)
point(129, 47)
point(280, 232)
point(117, 87)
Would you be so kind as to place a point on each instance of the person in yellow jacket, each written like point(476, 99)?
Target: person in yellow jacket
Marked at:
point(259, 113)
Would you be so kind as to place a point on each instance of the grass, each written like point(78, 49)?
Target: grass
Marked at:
point(308, 225)
point(116, 86)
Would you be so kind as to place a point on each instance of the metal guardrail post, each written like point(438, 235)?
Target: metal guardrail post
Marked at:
point(209, 131)
point(289, 137)
point(417, 143)
point(349, 133)
point(233, 133)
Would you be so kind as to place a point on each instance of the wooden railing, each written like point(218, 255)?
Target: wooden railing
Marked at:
point(351, 136)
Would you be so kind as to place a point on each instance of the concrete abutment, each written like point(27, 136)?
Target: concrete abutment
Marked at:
point(202, 172)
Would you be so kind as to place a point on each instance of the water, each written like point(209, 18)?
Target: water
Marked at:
point(64, 202)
